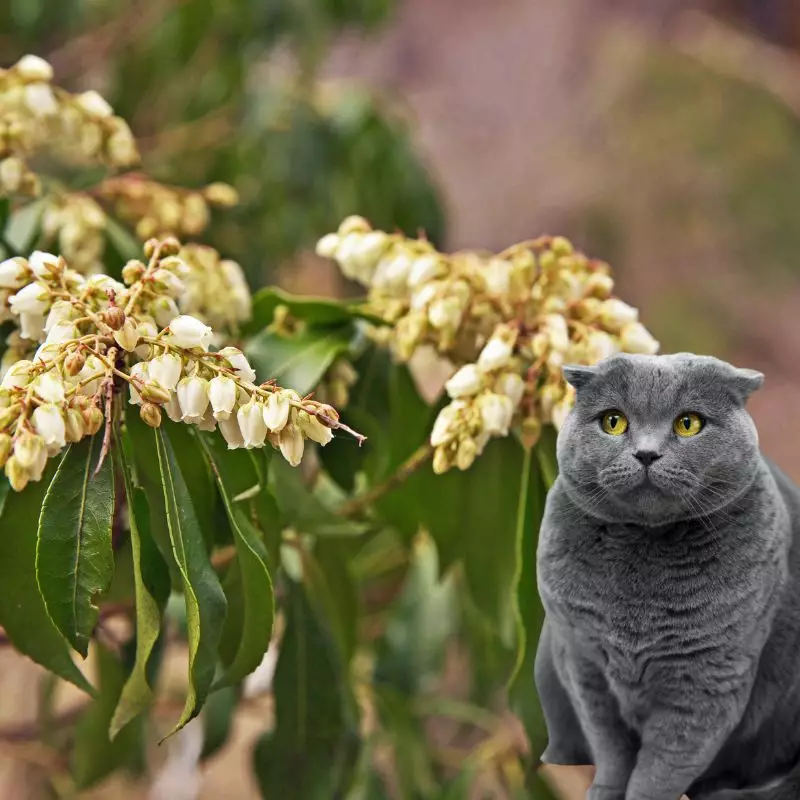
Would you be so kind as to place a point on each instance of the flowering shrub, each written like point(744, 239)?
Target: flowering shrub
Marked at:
point(153, 416)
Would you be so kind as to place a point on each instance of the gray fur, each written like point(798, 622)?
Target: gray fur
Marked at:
point(670, 655)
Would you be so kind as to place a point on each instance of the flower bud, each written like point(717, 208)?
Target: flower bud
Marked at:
point(9, 415)
point(114, 317)
point(154, 392)
point(6, 444)
point(561, 246)
point(193, 397)
point(28, 449)
point(133, 271)
point(635, 338)
point(447, 424)
point(313, 429)
point(166, 281)
point(530, 431)
point(354, 224)
point(49, 388)
point(562, 408)
point(74, 362)
point(496, 413)
point(164, 310)
point(445, 313)
point(327, 245)
point(250, 417)
point(170, 246)
point(512, 386)
point(498, 350)
point(13, 273)
point(127, 337)
point(599, 345)
point(94, 105)
point(239, 363)
point(73, 427)
point(276, 411)
point(166, 369)
point(554, 326)
point(599, 285)
point(498, 277)
point(442, 460)
point(48, 422)
point(466, 453)
point(17, 474)
point(33, 68)
point(466, 382)
point(221, 194)
point(93, 420)
point(150, 414)
point(292, 444)
point(424, 269)
point(222, 394)
point(187, 331)
point(614, 315)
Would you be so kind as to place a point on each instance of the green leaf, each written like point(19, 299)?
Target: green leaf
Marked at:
point(5, 488)
point(95, 755)
point(23, 226)
point(421, 621)
point(312, 752)
point(217, 719)
point(235, 474)
point(298, 362)
point(538, 472)
point(74, 559)
point(301, 508)
point(317, 311)
point(205, 600)
point(22, 611)
point(151, 582)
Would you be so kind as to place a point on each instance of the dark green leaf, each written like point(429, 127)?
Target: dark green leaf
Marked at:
point(312, 753)
point(217, 719)
point(316, 311)
point(23, 226)
point(301, 508)
point(538, 471)
point(140, 437)
point(5, 488)
point(421, 621)
point(22, 611)
point(74, 559)
point(205, 600)
point(94, 754)
point(151, 581)
point(235, 474)
point(298, 362)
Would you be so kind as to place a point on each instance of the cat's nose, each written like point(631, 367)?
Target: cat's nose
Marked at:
point(647, 457)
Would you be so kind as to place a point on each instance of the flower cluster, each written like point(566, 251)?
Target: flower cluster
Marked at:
point(507, 322)
point(155, 209)
point(81, 340)
point(36, 115)
point(76, 223)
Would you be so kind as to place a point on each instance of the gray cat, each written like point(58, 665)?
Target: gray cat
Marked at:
point(669, 569)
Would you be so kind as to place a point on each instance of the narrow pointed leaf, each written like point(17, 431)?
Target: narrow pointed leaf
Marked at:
point(205, 601)
point(151, 587)
point(74, 559)
point(235, 474)
point(22, 611)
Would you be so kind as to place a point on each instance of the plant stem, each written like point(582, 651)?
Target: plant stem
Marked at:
point(402, 473)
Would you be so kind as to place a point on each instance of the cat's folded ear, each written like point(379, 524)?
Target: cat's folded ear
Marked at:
point(579, 375)
point(745, 381)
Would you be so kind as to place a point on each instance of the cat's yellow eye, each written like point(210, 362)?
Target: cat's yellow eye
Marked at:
point(614, 423)
point(688, 425)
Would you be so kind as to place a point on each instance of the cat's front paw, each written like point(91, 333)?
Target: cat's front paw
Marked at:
point(605, 793)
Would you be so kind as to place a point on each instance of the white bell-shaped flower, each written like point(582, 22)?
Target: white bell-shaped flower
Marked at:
point(139, 370)
point(17, 376)
point(635, 338)
point(313, 429)
point(229, 428)
point(615, 314)
point(61, 332)
point(186, 331)
point(222, 394)
point(250, 417)
point(467, 381)
point(496, 413)
point(30, 299)
point(193, 397)
point(49, 387)
point(31, 326)
point(276, 411)
point(239, 363)
point(292, 444)
point(495, 354)
point(48, 422)
point(447, 423)
point(43, 265)
point(13, 274)
point(166, 369)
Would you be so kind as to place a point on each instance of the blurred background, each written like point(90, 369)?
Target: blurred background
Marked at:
point(662, 136)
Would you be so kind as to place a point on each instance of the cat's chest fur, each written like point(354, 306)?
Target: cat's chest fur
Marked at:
point(654, 611)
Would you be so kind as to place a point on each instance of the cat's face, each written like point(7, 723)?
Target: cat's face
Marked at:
point(656, 439)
